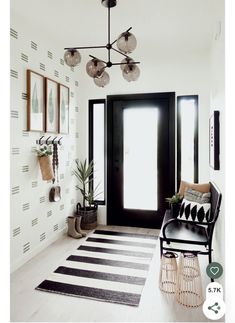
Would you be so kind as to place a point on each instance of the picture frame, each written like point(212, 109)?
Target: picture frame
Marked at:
point(51, 106)
point(35, 101)
point(214, 141)
point(63, 94)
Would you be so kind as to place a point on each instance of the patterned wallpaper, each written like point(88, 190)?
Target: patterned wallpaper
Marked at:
point(36, 222)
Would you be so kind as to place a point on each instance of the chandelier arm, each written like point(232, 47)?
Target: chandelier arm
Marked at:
point(120, 52)
point(117, 38)
point(128, 29)
point(130, 63)
point(98, 59)
point(114, 42)
point(85, 47)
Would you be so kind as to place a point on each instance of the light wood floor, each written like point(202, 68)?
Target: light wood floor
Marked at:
point(30, 305)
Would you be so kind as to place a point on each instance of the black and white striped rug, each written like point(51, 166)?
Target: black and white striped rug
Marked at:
point(109, 266)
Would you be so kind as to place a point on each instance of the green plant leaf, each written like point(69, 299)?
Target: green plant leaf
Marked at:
point(84, 172)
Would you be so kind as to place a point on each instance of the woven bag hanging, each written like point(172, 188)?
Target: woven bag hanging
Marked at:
point(189, 284)
point(168, 273)
point(46, 168)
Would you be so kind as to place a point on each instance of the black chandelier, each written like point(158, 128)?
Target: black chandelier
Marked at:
point(95, 68)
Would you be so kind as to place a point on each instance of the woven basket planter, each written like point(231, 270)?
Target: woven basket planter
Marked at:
point(89, 217)
point(46, 168)
point(189, 284)
point(168, 273)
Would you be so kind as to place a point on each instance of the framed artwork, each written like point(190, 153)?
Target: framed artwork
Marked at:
point(51, 120)
point(214, 134)
point(35, 101)
point(63, 109)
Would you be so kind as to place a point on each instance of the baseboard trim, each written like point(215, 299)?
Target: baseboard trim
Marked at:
point(25, 258)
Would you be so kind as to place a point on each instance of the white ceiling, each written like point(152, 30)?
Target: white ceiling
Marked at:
point(162, 25)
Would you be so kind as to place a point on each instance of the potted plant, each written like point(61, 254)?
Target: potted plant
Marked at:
point(88, 210)
point(44, 159)
point(175, 203)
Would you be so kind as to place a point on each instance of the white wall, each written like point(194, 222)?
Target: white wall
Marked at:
point(36, 222)
point(217, 102)
point(184, 73)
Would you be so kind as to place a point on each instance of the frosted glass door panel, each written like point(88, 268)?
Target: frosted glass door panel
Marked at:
point(187, 139)
point(140, 158)
point(98, 150)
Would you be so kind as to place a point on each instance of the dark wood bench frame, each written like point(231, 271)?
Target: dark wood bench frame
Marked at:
point(216, 197)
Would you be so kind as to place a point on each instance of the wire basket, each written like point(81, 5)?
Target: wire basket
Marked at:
point(168, 273)
point(189, 284)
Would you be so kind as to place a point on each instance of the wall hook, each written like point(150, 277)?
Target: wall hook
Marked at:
point(59, 140)
point(53, 141)
point(39, 141)
point(47, 139)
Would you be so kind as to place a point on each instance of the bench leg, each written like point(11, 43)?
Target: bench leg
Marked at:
point(161, 247)
point(210, 260)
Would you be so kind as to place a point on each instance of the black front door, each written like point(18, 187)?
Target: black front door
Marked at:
point(141, 162)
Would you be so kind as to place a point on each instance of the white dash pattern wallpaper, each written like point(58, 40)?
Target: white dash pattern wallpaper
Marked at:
point(36, 222)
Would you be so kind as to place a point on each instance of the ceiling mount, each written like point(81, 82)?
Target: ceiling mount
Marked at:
point(126, 43)
point(109, 3)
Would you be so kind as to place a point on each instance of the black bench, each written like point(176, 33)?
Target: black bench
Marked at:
point(191, 232)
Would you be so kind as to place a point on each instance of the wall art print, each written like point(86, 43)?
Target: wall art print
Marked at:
point(214, 137)
point(35, 101)
point(51, 105)
point(63, 109)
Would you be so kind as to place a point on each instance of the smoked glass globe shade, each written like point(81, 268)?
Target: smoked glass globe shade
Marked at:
point(95, 67)
point(72, 57)
point(126, 42)
point(103, 80)
point(131, 72)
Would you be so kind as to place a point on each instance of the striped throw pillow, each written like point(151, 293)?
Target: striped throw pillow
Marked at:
point(196, 196)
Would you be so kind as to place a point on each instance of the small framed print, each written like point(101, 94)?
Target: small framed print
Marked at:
point(35, 101)
point(214, 137)
point(51, 120)
point(63, 109)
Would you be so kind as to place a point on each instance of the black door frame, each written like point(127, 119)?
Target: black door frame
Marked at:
point(109, 130)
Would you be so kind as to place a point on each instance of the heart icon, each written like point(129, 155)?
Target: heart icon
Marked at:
point(214, 270)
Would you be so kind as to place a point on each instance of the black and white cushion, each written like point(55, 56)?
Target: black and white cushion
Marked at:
point(193, 211)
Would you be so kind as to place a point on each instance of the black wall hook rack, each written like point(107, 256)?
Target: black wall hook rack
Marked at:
point(49, 141)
